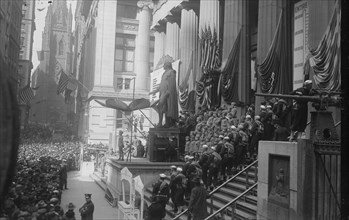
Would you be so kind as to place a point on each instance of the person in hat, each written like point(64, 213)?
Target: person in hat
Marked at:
point(299, 111)
point(180, 183)
point(121, 146)
point(86, 211)
point(172, 186)
point(197, 205)
point(70, 214)
point(156, 211)
point(204, 162)
point(281, 133)
point(161, 189)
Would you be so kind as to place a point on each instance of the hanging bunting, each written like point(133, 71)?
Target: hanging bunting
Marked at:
point(324, 62)
point(229, 85)
point(275, 72)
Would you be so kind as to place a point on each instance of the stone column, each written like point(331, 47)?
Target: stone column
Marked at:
point(105, 46)
point(142, 46)
point(172, 40)
point(188, 42)
point(209, 15)
point(235, 19)
point(159, 47)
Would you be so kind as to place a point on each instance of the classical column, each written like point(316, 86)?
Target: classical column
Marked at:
point(105, 46)
point(172, 40)
point(159, 46)
point(209, 15)
point(188, 42)
point(142, 45)
point(235, 19)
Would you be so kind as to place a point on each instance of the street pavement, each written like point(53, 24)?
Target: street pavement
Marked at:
point(79, 185)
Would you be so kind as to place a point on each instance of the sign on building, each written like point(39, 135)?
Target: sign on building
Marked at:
point(300, 41)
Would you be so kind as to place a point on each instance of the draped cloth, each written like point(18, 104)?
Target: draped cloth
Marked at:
point(324, 62)
point(229, 77)
point(208, 90)
point(275, 71)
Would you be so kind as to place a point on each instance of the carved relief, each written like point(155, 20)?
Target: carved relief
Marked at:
point(279, 180)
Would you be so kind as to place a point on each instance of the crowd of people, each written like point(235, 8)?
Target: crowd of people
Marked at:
point(40, 177)
point(218, 146)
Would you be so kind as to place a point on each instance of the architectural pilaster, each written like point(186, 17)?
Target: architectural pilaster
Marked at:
point(172, 40)
point(235, 19)
point(188, 43)
point(105, 46)
point(159, 47)
point(142, 46)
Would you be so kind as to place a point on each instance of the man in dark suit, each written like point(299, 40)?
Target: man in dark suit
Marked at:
point(197, 204)
point(87, 209)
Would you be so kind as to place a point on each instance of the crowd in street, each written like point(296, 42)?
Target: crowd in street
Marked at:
point(40, 177)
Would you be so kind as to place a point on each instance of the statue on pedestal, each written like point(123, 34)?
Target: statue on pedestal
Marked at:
point(168, 100)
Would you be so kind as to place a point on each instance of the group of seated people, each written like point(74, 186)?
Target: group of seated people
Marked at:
point(41, 173)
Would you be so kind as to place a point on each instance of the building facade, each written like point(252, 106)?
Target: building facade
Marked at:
point(48, 107)
point(26, 53)
point(10, 31)
point(113, 57)
point(225, 47)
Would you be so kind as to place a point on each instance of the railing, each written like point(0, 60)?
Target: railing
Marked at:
point(225, 183)
point(232, 203)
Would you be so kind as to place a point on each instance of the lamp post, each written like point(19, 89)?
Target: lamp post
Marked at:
point(133, 98)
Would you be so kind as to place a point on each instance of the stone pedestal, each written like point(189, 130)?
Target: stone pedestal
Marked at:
point(285, 177)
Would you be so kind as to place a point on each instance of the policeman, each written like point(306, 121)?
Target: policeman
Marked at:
point(87, 209)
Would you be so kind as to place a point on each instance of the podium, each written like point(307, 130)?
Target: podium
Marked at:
point(159, 141)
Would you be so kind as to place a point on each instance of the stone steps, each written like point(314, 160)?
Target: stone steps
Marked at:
point(246, 207)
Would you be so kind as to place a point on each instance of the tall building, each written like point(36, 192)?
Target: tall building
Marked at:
point(26, 52)
point(113, 57)
point(10, 31)
point(57, 42)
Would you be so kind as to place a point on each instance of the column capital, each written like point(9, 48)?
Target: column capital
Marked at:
point(145, 3)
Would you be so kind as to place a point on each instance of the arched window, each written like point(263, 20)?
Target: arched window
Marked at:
point(60, 47)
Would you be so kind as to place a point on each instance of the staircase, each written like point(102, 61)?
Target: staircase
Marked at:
point(246, 208)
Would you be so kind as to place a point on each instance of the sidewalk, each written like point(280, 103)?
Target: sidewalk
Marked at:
point(78, 186)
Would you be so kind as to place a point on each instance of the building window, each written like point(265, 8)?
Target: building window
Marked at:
point(127, 83)
point(22, 41)
point(119, 119)
point(60, 47)
point(124, 53)
point(127, 9)
point(119, 83)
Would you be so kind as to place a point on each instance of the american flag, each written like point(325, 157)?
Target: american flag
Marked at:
point(63, 82)
point(26, 94)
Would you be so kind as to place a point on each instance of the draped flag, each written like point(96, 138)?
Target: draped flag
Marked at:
point(63, 82)
point(325, 61)
point(210, 51)
point(275, 72)
point(26, 94)
point(207, 88)
point(186, 97)
point(58, 71)
point(229, 76)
